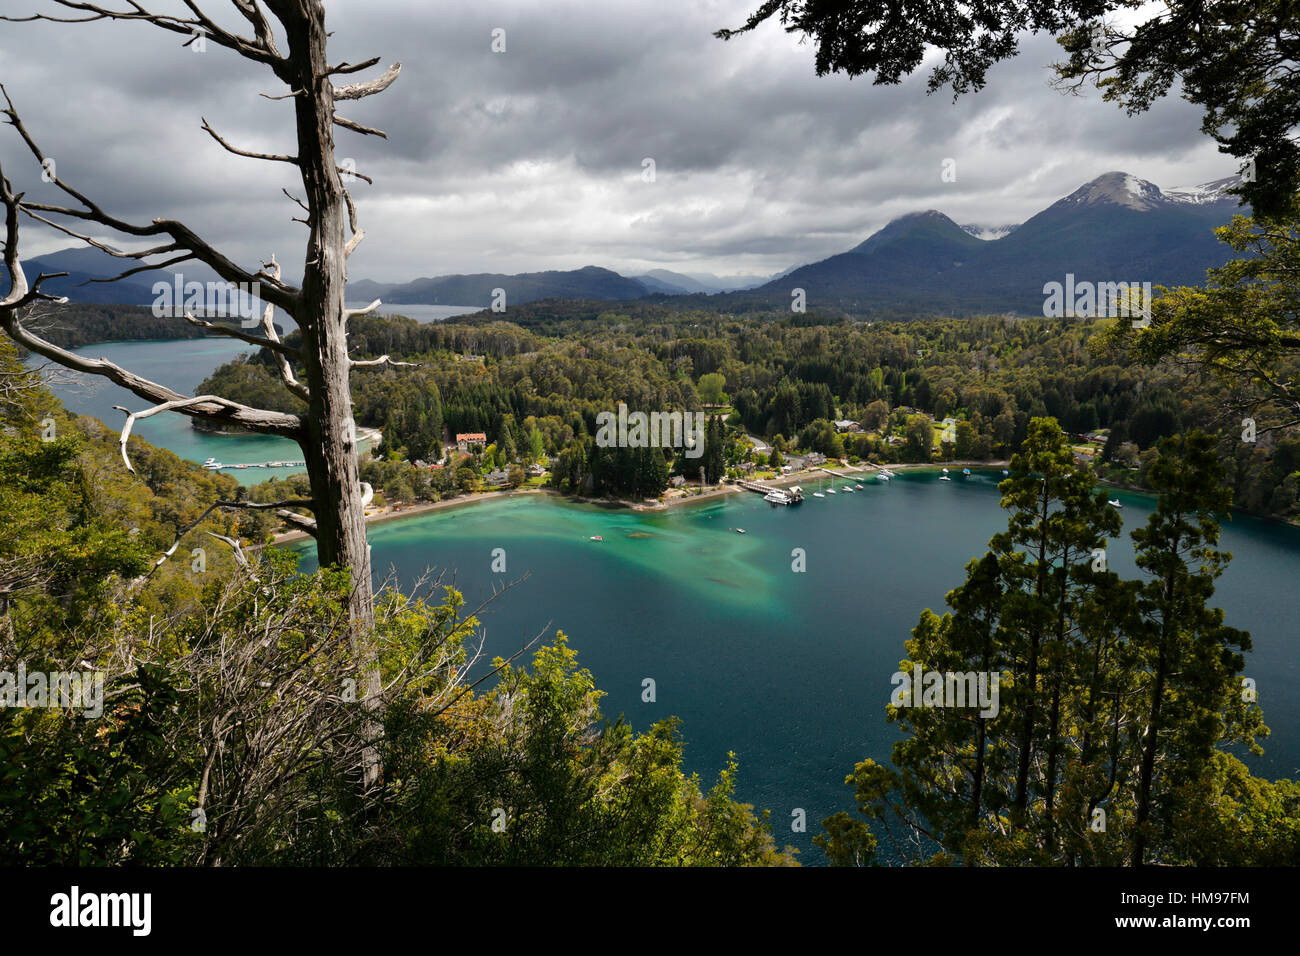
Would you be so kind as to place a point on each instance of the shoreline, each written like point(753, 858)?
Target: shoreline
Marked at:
point(677, 500)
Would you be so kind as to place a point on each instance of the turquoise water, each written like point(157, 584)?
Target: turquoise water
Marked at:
point(790, 670)
point(180, 365)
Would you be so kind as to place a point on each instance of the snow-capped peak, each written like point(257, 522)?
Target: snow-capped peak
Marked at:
point(1215, 191)
point(989, 233)
point(1122, 189)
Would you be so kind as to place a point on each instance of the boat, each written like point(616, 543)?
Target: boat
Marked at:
point(830, 491)
point(1005, 472)
point(212, 464)
point(965, 471)
point(777, 497)
point(1114, 503)
point(882, 476)
point(887, 473)
point(945, 471)
point(859, 487)
point(944, 478)
point(740, 531)
point(847, 489)
point(596, 537)
point(818, 494)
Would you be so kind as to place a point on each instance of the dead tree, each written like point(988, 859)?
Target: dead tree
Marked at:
point(327, 433)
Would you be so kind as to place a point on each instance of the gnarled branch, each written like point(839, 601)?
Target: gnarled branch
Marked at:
point(356, 91)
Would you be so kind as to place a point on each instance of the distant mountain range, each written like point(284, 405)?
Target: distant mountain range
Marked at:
point(590, 282)
point(1116, 228)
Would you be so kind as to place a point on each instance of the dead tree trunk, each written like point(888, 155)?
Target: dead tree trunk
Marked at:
point(327, 434)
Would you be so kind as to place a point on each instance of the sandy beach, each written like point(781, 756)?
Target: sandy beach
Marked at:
point(672, 498)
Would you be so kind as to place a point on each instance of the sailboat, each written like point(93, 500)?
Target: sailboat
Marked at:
point(818, 492)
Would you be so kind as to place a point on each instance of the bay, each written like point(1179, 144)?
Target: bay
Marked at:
point(790, 670)
point(180, 365)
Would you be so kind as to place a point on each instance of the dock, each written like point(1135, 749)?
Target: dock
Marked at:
point(219, 466)
point(791, 496)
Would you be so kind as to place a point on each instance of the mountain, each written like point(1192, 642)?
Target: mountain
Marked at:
point(989, 232)
point(672, 283)
point(689, 283)
point(1116, 228)
point(590, 282)
point(84, 264)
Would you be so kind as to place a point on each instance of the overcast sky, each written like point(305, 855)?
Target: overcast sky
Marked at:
point(531, 159)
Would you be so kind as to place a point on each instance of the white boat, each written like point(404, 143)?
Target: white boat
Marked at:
point(886, 473)
point(859, 487)
point(848, 489)
point(740, 531)
point(882, 477)
point(777, 497)
point(944, 478)
point(212, 464)
point(830, 491)
point(1005, 472)
point(1114, 503)
point(818, 494)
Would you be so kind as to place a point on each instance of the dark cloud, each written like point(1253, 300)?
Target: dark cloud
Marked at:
point(532, 158)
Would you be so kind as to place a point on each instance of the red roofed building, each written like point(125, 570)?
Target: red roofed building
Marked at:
point(465, 439)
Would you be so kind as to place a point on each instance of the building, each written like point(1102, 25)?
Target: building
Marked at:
point(497, 478)
point(846, 425)
point(676, 481)
point(465, 439)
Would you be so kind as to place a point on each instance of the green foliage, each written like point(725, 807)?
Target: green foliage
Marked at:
point(1116, 697)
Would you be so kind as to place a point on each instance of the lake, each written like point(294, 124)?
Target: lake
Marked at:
point(789, 670)
point(180, 365)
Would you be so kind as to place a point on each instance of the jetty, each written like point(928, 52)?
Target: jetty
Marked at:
point(211, 465)
point(777, 496)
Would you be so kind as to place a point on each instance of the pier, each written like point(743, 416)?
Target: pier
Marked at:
point(219, 466)
point(792, 495)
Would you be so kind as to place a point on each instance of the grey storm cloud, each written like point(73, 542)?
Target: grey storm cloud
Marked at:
point(532, 158)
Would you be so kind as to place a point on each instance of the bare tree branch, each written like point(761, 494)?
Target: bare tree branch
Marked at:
point(382, 360)
point(356, 91)
point(286, 297)
point(270, 157)
point(275, 345)
point(261, 49)
point(133, 417)
point(358, 128)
